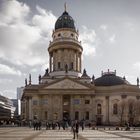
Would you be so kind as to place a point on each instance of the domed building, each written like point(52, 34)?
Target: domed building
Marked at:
point(66, 93)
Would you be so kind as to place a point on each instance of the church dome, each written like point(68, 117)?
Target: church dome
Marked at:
point(110, 79)
point(65, 21)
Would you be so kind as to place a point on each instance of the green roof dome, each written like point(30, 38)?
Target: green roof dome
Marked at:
point(65, 21)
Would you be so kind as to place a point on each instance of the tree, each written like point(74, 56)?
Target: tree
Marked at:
point(121, 112)
point(128, 111)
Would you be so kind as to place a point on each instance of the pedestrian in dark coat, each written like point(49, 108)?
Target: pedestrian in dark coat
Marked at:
point(75, 129)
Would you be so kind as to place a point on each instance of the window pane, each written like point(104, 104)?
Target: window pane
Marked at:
point(76, 101)
point(115, 109)
point(99, 109)
point(35, 102)
point(87, 101)
point(87, 115)
point(76, 115)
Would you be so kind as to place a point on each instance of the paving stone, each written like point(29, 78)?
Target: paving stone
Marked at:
point(23, 133)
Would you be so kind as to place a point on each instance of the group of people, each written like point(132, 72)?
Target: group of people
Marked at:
point(36, 124)
point(75, 125)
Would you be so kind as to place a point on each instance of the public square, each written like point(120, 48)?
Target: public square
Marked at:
point(25, 133)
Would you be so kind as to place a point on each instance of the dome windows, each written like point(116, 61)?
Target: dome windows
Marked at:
point(72, 35)
point(59, 35)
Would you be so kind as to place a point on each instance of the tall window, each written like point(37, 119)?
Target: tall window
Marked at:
point(35, 102)
point(87, 115)
point(130, 108)
point(76, 115)
point(115, 109)
point(59, 65)
point(87, 102)
point(71, 65)
point(46, 115)
point(99, 109)
point(55, 116)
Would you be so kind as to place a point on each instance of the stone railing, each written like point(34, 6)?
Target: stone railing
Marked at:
point(65, 39)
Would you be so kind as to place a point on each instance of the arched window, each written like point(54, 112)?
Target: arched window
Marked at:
point(115, 108)
point(99, 109)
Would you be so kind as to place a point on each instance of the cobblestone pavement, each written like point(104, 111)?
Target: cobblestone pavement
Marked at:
point(23, 133)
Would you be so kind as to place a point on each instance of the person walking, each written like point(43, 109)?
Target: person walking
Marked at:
point(75, 129)
point(82, 125)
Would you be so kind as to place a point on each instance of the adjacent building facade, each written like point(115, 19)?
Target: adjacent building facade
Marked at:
point(64, 92)
point(6, 109)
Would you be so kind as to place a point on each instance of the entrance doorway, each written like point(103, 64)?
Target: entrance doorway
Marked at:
point(65, 115)
point(66, 107)
point(99, 121)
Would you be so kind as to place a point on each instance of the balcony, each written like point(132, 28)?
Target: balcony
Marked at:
point(65, 40)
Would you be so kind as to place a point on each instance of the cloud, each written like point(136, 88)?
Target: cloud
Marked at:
point(136, 66)
point(44, 20)
point(9, 93)
point(13, 11)
point(4, 69)
point(5, 81)
point(87, 36)
point(103, 27)
point(112, 39)
point(22, 41)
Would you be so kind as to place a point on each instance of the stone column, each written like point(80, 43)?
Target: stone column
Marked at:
point(93, 112)
point(80, 62)
point(71, 108)
point(61, 108)
point(107, 110)
point(76, 61)
point(25, 109)
point(138, 111)
point(30, 108)
point(82, 108)
point(123, 108)
point(50, 62)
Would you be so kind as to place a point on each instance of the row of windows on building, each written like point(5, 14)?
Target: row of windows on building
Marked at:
point(76, 115)
point(45, 102)
point(70, 67)
point(72, 35)
point(99, 106)
point(116, 109)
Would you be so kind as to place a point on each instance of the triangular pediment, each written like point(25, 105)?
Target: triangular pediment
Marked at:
point(66, 84)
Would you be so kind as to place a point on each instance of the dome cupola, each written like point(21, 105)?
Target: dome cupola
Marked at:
point(65, 21)
point(110, 79)
point(65, 50)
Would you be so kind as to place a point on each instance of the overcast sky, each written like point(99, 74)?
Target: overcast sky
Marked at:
point(109, 31)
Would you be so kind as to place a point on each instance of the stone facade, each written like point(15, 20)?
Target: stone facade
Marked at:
point(64, 92)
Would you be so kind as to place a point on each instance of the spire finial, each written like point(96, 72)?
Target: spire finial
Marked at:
point(30, 81)
point(65, 6)
point(138, 81)
point(25, 81)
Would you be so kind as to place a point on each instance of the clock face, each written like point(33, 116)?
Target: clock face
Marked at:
point(65, 34)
